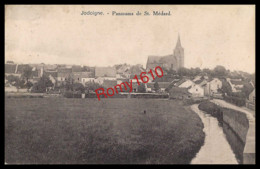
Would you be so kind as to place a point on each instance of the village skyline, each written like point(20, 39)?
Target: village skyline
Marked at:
point(62, 36)
point(113, 65)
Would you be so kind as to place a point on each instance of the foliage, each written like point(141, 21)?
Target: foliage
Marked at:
point(78, 87)
point(42, 84)
point(141, 88)
point(247, 89)
point(220, 71)
point(12, 78)
point(156, 86)
point(29, 85)
point(212, 109)
point(235, 100)
point(92, 86)
point(226, 88)
point(27, 72)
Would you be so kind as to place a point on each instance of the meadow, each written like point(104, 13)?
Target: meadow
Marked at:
point(88, 131)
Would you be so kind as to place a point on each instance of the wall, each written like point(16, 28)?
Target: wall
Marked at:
point(237, 121)
point(243, 125)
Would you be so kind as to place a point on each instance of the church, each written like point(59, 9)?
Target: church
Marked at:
point(173, 61)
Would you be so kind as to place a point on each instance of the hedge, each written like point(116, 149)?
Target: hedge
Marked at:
point(235, 100)
point(212, 109)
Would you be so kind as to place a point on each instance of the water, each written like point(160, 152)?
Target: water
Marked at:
point(216, 149)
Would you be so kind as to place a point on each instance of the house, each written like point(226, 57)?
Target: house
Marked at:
point(63, 74)
point(11, 69)
point(135, 70)
point(185, 83)
point(236, 84)
point(53, 80)
point(150, 87)
point(109, 84)
point(179, 93)
point(196, 91)
point(250, 102)
point(206, 88)
point(135, 87)
point(105, 73)
point(163, 85)
point(34, 72)
point(51, 72)
point(201, 82)
point(121, 68)
point(122, 80)
point(99, 80)
point(251, 97)
point(83, 77)
point(76, 68)
point(132, 77)
point(215, 85)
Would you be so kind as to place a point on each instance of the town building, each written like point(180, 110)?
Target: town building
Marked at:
point(196, 91)
point(173, 61)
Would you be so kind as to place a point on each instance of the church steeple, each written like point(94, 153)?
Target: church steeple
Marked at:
point(179, 53)
point(178, 45)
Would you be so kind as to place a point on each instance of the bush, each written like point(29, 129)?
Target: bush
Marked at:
point(212, 109)
point(235, 100)
point(192, 101)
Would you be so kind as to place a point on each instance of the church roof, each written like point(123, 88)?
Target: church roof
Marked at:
point(154, 59)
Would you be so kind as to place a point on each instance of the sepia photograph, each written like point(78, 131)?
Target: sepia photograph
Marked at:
point(129, 84)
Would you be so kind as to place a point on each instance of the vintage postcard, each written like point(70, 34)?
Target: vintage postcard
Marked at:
point(129, 84)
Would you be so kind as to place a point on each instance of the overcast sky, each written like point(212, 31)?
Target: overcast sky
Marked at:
point(210, 35)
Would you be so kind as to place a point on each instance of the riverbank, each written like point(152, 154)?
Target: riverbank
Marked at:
point(249, 148)
point(238, 127)
point(216, 149)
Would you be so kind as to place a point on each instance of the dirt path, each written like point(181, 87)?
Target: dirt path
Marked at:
point(223, 103)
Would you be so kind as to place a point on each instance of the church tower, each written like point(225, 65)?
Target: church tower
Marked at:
point(179, 53)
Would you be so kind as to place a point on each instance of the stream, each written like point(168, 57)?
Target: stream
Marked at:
point(216, 149)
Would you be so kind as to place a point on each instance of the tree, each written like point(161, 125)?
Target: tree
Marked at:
point(197, 71)
point(141, 88)
point(247, 89)
point(220, 71)
point(78, 87)
point(29, 84)
point(172, 72)
point(69, 83)
point(27, 72)
point(156, 86)
point(12, 79)
point(183, 71)
point(92, 86)
point(226, 88)
point(20, 83)
point(42, 84)
point(207, 71)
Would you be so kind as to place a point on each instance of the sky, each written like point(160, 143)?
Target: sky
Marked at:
point(55, 34)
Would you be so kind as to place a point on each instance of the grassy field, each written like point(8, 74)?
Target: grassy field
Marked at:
point(87, 131)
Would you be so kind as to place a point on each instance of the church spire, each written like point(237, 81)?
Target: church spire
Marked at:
point(178, 42)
